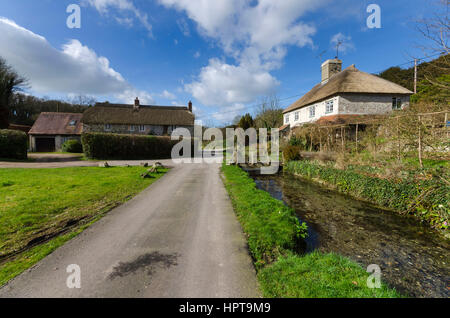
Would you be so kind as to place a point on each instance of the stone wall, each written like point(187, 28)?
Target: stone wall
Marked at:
point(368, 104)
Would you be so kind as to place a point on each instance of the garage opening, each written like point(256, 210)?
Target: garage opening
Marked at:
point(45, 144)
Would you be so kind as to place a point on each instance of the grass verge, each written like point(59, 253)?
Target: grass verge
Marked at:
point(273, 232)
point(41, 209)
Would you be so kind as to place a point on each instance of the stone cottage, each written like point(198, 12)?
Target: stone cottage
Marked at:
point(344, 94)
point(137, 119)
point(51, 130)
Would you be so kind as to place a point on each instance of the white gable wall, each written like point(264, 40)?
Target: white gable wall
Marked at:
point(346, 104)
point(304, 113)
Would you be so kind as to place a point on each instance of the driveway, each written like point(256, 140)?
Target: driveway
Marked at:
point(178, 238)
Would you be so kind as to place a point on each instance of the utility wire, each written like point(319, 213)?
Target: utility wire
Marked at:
point(301, 94)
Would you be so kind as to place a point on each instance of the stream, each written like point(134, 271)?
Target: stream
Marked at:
point(413, 258)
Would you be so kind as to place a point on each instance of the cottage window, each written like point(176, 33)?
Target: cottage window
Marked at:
point(396, 103)
point(296, 116)
point(132, 128)
point(108, 127)
point(286, 119)
point(142, 128)
point(312, 112)
point(329, 107)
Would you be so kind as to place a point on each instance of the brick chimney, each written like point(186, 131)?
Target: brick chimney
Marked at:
point(330, 68)
point(136, 104)
point(190, 106)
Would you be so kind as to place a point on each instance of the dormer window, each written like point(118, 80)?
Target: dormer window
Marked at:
point(72, 123)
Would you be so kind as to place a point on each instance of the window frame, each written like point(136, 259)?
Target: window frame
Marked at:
point(141, 128)
point(396, 103)
point(312, 111)
point(296, 116)
point(107, 127)
point(132, 128)
point(286, 119)
point(328, 109)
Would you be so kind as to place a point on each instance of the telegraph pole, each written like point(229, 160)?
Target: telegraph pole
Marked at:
point(415, 76)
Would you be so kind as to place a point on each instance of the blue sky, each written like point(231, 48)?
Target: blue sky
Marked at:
point(224, 55)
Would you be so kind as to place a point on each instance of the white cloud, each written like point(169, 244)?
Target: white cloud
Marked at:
point(184, 27)
point(122, 6)
point(256, 35)
point(75, 69)
point(228, 115)
point(346, 42)
point(197, 54)
point(168, 95)
point(222, 84)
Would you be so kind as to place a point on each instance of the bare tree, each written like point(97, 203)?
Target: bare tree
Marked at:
point(269, 113)
point(436, 30)
point(83, 100)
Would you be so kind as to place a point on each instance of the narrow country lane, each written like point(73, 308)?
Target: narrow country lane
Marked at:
point(178, 238)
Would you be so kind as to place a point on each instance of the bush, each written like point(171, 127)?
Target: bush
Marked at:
point(13, 144)
point(291, 153)
point(73, 146)
point(116, 146)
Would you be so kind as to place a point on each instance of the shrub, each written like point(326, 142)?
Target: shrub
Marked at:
point(116, 146)
point(13, 144)
point(291, 153)
point(73, 146)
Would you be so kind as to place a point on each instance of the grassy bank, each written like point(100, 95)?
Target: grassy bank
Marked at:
point(273, 231)
point(40, 209)
point(427, 198)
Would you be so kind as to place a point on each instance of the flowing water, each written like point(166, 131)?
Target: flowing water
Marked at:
point(413, 258)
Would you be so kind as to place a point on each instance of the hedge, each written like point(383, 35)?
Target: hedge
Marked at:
point(426, 199)
point(73, 146)
point(122, 147)
point(13, 144)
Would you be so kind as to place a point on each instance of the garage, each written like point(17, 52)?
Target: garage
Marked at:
point(45, 144)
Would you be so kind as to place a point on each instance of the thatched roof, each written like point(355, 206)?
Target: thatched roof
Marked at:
point(105, 113)
point(351, 80)
point(57, 124)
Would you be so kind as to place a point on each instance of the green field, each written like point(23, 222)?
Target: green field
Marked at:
point(40, 209)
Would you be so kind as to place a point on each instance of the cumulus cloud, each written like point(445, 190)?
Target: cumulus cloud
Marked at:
point(74, 69)
point(223, 84)
point(345, 41)
point(256, 35)
point(123, 6)
point(168, 95)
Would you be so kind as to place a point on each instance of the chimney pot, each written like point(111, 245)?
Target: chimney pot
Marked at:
point(190, 106)
point(330, 68)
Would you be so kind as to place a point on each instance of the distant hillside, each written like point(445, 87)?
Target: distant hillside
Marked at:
point(436, 90)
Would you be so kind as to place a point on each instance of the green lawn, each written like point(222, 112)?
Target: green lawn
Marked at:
point(40, 209)
point(319, 275)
